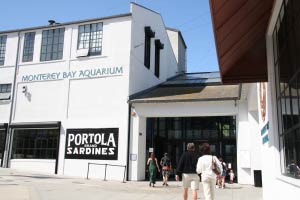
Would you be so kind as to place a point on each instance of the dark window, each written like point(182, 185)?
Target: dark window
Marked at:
point(28, 47)
point(148, 35)
point(2, 142)
point(2, 48)
point(158, 47)
point(286, 47)
point(5, 88)
point(52, 44)
point(171, 134)
point(90, 37)
point(35, 143)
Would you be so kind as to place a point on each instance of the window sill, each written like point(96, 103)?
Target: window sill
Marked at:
point(289, 180)
point(88, 58)
point(41, 62)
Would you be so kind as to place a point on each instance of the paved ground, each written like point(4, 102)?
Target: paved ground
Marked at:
point(18, 185)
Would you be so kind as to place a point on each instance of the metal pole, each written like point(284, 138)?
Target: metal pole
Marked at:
point(105, 172)
point(87, 176)
point(124, 173)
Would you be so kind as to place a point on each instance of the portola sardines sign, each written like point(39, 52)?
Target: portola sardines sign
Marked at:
point(94, 144)
point(74, 74)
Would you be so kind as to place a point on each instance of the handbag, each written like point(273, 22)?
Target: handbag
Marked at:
point(214, 167)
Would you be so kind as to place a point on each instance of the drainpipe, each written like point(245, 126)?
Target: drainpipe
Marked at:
point(9, 132)
point(128, 139)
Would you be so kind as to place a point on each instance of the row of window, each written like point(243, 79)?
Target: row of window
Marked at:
point(89, 37)
point(286, 47)
point(147, 53)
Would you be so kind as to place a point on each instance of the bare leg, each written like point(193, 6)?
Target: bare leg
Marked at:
point(194, 194)
point(185, 193)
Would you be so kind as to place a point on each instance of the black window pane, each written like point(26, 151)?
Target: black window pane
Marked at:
point(28, 47)
point(286, 40)
point(35, 144)
point(2, 48)
point(52, 44)
point(89, 37)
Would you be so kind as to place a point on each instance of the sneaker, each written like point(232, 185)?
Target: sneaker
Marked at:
point(164, 183)
point(167, 184)
point(217, 186)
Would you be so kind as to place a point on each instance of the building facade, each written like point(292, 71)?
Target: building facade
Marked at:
point(266, 37)
point(96, 96)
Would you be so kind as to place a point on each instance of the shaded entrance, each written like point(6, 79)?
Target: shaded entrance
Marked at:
point(173, 133)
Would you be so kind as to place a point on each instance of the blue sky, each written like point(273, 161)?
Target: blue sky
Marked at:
point(192, 17)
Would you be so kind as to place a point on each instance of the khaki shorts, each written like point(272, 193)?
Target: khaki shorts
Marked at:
point(190, 180)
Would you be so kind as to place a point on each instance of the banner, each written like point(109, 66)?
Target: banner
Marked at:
point(94, 144)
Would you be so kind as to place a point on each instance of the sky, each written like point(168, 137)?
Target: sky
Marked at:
point(191, 17)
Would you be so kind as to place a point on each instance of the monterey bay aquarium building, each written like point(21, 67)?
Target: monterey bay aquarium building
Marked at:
point(95, 97)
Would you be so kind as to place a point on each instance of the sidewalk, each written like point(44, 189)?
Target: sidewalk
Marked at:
point(19, 185)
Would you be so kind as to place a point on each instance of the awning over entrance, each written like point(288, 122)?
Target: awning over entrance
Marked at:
point(54, 124)
point(190, 88)
point(239, 28)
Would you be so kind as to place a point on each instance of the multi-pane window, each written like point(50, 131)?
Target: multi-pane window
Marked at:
point(5, 88)
point(35, 144)
point(52, 44)
point(90, 37)
point(286, 48)
point(2, 48)
point(28, 47)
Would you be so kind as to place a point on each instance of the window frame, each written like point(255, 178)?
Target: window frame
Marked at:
point(52, 39)
point(92, 40)
point(287, 85)
point(3, 41)
point(28, 47)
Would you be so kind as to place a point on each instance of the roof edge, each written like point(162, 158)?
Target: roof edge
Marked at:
point(66, 23)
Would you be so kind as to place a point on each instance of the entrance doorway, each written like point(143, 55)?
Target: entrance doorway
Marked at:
point(171, 135)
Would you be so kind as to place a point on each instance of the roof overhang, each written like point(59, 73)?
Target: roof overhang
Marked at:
point(240, 28)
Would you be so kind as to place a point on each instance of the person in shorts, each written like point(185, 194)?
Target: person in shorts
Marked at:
point(187, 167)
point(165, 163)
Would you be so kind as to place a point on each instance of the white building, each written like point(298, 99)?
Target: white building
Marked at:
point(108, 91)
point(258, 41)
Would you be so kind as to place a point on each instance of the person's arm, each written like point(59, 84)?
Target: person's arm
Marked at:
point(148, 161)
point(161, 162)
point(157, 165)
point(218, 163)
point(199, 166)
point(179, 167)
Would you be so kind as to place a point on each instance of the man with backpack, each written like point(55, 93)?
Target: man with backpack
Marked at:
point(165, 162)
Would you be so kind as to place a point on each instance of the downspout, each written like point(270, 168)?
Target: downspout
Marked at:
point(128, 139)
point(9, 130)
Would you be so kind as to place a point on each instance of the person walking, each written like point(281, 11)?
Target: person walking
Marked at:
point(165, 163)
point(187, 167)
point(152, 168)
point(208, 177)
point(221, 179)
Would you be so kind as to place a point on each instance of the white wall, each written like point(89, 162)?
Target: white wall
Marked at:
point(178, 49)
point(45, 166)
point(7, 72)
point(143, 77)
point(138, 148)
point(89, 102)
point(275, 185)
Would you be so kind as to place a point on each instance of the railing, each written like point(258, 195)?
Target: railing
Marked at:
point(88, 171)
